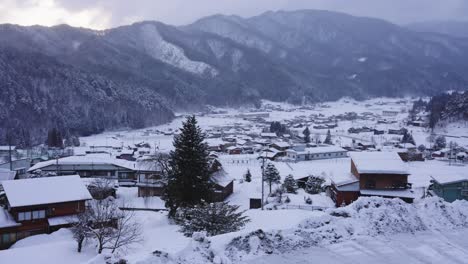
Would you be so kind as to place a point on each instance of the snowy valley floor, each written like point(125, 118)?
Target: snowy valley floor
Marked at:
point(423, 247)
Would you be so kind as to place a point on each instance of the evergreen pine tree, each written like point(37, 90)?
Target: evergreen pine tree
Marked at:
point(248, 176)
point(306, 134)
point(271, 175)
point(328, 139)
point(189, 173)
point(289, 184)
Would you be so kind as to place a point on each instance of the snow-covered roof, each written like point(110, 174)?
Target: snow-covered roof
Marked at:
point(62, 220)
point(441, 179)
point(406, 193)
point(46, 190)
point(221, 177)
point(319, 150)
point(6, 220)
point(379, 162)
point(7, 148)
point(273, 135)
point(86, 160)
point(281, 144)
point(351, 186)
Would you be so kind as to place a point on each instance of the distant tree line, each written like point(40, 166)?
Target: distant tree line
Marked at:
point(446, 106)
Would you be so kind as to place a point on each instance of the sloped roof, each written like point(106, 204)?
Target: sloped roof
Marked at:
point(221, 177)
point(86, 160)
point(442, 179)
point(379, 163)
point(6, 220)
point(46, 190)
point(319, 150)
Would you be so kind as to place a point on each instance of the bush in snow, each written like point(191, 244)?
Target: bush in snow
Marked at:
point(248, 176)
point(287, 200)
point(314, 185)
point(308, 200)
point(421, 148)
point(213, 218)
point(278, 193)
point(289, 184)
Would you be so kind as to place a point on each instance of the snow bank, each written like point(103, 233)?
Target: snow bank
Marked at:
point(367, 217)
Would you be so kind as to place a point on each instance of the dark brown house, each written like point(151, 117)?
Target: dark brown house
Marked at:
point(40, 205)
point(376, 174)
point(151, 184)
point(223, 186)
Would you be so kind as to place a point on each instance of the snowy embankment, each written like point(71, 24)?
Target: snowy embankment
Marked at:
point(366, 218)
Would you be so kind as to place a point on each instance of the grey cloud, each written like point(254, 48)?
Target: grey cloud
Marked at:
point(180, 12)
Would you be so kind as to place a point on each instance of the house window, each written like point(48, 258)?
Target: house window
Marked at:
point(6, 238)
point(38, 214)
point(370, 184)
point(20, 216)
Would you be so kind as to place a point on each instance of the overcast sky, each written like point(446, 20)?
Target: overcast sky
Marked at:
point(100, 14)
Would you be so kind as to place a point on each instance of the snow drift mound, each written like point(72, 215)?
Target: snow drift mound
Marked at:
point(368, 216)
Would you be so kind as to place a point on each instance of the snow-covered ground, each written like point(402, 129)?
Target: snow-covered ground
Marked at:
point(354, 239)
point(424, 247)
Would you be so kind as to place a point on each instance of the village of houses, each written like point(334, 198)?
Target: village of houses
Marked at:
point(40, 191)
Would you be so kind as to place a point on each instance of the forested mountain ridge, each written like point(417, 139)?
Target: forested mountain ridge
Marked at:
point(84, 81)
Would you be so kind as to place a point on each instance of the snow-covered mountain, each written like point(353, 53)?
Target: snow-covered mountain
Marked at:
point(137, 74)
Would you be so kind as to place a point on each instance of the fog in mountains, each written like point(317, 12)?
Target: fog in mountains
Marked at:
point(84, 81)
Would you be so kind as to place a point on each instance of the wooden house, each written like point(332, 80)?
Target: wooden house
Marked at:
point(316, 153)
point(152, 184)
point(40, 205)
point(223, 185)
point(376, 174)
point(91, 166)
point(449, 188)
point(345, 192)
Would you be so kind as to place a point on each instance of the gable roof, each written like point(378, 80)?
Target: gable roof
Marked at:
point(442, 179)
point(379, 163)
point(318, 150)
point(221, 177)
point(46, 190)
point(85, 160)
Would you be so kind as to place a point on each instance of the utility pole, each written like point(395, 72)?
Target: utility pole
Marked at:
point(9, 149)
point(9, 156)
point(263, 179)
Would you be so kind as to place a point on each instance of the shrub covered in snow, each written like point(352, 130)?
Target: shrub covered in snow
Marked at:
point(213, 218)
point(314, 184)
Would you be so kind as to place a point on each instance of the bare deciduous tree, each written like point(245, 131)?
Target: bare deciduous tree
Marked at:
point(80, 228)
point(127, 231)
point(111, 227)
